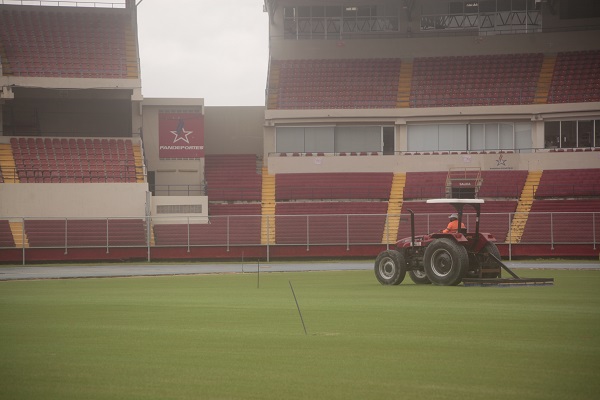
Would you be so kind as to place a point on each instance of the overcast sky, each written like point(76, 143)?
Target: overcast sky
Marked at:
point(211, 49)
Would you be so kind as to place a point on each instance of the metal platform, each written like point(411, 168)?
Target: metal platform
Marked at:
point(508, 282)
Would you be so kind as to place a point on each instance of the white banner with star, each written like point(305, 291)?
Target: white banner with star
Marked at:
point(180, 135)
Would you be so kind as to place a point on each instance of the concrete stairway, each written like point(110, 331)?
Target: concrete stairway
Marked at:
point(139, 163)
point(524, 207)
point(545, 80)
point(7, 164)
point(267, 225)
point(404, 84)
point(19, 235)
point(273, 95)
point(392, 221)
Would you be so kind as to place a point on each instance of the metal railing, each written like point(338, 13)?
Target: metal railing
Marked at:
point(430, 152)
point(307, 230)
point(67, 3)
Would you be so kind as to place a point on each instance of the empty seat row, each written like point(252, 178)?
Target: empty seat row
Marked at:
point(55, 160)
point(85, 233)
point(333, 186)
point(62, 43)
point(232, 177)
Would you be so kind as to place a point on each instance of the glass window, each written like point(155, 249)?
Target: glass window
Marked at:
point(453, 137)
point(357, 138)
point(477, 137)
point(585, 133)
point(568, 134)
point(523, 139)
point(422, 138)
point(505, 137)
point(290, 140)
point(597, 133)
point(552, 134)
point(319, 139)
point(491, 136)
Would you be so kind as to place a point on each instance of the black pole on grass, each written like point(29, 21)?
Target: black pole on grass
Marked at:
point(298, 306)
point(258, 273)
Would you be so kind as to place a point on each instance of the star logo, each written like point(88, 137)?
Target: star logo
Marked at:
point(180, 133)
point(500, 161)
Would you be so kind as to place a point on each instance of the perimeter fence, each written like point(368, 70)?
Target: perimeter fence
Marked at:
point(304, 231)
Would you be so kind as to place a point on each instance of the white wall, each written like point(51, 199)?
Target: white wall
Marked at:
point(86, 200)
point(417, 163)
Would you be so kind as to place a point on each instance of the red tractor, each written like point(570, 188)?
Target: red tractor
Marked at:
point(442, 258)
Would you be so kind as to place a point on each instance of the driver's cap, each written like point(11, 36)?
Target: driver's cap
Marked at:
point(453, 216)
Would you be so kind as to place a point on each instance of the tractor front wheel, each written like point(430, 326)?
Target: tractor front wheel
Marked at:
point(390, 267)
point(445, 262)
point(419, 277)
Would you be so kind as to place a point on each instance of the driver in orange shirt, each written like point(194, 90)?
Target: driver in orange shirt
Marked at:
point(453, 224)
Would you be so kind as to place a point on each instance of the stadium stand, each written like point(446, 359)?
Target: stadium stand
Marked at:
point(349, 221)
point(73, 160)
point(46, 42)
point(322, 83)
point(559, 183)
point(315, 186)
point(562, 221)
point(447, 81)
point(502, 184)
point(232, 177)
point(576, 77)
point(394, 81)
point(475, 80)
point(85, 232)
point(425, 185)
point(235, 224)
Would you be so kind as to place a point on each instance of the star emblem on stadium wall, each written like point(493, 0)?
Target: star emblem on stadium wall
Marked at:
point(500, 161)
point(181, 134)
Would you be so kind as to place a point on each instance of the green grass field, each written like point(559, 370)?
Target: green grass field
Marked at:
point(221, 337)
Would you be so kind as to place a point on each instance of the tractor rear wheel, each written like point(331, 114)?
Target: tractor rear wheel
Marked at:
point(445, 262)
point(390, 267)
point(419, 277)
